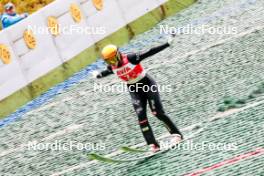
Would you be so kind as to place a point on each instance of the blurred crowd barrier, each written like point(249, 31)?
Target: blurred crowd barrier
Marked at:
point(57, 33)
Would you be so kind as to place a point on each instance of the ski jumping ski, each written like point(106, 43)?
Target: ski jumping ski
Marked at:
point(146, 154)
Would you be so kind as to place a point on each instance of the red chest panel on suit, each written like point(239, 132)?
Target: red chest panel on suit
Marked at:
point(129, 72)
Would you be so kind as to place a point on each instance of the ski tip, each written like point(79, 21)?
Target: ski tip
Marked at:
point(92, 156)
point(101, 158)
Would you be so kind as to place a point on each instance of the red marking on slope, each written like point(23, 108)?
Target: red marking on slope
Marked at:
point(258, 151)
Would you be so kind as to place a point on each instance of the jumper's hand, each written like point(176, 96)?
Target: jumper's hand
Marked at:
point(96, 74)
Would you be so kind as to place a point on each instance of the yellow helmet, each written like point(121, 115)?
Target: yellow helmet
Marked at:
point(109, 51)
point(110, 54)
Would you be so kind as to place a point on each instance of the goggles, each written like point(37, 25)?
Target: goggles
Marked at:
point(113, 60)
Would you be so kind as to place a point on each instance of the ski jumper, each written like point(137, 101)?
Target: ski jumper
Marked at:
point(143, 89)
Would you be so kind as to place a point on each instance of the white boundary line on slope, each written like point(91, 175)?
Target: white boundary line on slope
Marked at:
point(49, 105)
point(217, 116)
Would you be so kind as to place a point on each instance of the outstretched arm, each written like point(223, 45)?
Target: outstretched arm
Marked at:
point(14, 19)
point(105, 73)
point(136, 58)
